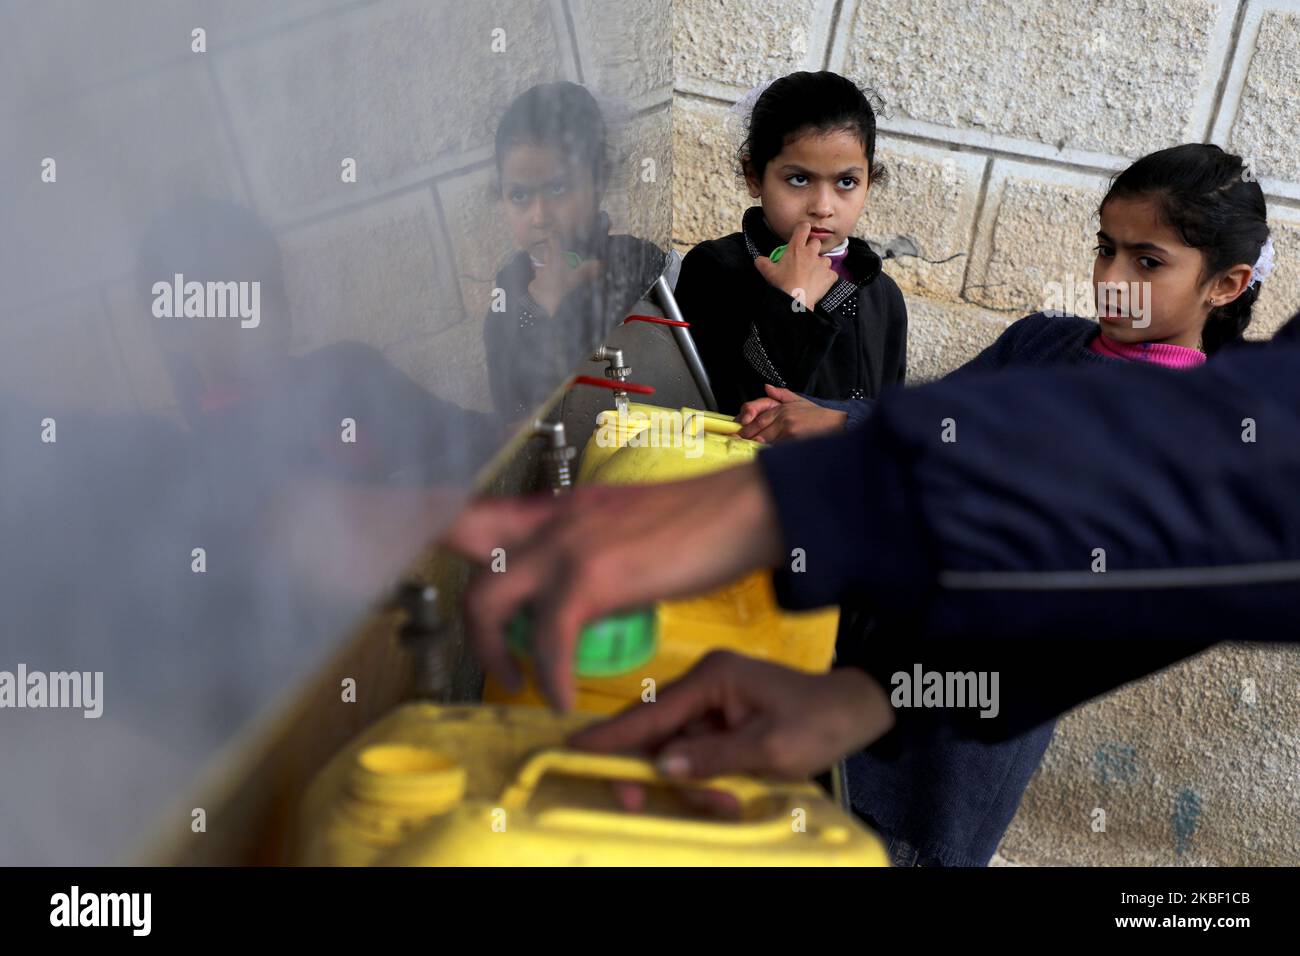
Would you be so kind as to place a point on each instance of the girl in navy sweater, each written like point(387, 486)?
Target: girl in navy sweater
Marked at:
point(795, 300)
point(1182, 250)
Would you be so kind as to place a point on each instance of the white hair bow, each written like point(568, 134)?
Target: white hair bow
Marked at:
point(1264, 264)
point(736, 121)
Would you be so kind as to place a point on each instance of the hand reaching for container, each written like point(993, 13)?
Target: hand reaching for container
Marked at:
point(802, 273)
point(599, 549)
point(733, 714)
point(784, 414)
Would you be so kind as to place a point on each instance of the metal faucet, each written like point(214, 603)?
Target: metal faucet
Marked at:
point(426, 637)
point(616, 370)
point(558, 456)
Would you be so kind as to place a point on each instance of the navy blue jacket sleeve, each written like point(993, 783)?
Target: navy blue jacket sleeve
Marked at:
point(1124, 502)
point(857, 409)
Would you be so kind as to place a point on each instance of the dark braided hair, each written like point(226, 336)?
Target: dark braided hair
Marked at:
point(1207, 195)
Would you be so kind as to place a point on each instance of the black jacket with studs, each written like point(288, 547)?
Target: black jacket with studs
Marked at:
point(749, 332)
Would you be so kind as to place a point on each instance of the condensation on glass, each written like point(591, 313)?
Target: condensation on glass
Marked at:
point(278, 280)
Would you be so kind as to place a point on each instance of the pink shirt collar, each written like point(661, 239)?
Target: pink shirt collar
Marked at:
point(1152, 353)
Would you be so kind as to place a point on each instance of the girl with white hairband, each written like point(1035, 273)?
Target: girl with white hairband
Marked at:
point(1182, 251)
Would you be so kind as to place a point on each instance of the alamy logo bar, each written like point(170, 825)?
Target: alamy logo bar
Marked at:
point(75, 908)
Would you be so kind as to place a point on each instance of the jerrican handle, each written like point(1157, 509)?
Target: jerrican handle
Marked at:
point(613, 767)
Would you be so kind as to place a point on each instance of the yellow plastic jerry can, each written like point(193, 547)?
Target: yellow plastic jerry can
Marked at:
point(649, 443)
point(434, 785)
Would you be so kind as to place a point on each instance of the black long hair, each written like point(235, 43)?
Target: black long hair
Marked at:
point(822, 101)
point(1214, 203)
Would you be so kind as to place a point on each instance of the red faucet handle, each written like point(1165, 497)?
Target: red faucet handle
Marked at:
point(614, 386)
point(657, 320)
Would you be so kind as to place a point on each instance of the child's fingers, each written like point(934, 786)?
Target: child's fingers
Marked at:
point(761, 423)
point(494, 597)
point(490, 601)
point(753, 407)
point(782, 395)
point(644, 728)
point(773, 433)
point(802, 232)
point(632, 798)
point(739, 750)
point(558, 616)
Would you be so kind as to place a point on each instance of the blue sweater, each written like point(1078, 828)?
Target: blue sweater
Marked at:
point(977, 553)
point(1040, 339)
point(947, 800)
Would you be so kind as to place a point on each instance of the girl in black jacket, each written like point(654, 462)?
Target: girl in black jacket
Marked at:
point(793, 299)
point(569, 280)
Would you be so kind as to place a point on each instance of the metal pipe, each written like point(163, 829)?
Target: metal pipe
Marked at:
point(425, 635)
point(664, 293)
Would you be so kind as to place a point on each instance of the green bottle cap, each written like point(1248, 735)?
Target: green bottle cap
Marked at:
point(777, 253)
point(611, 645)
